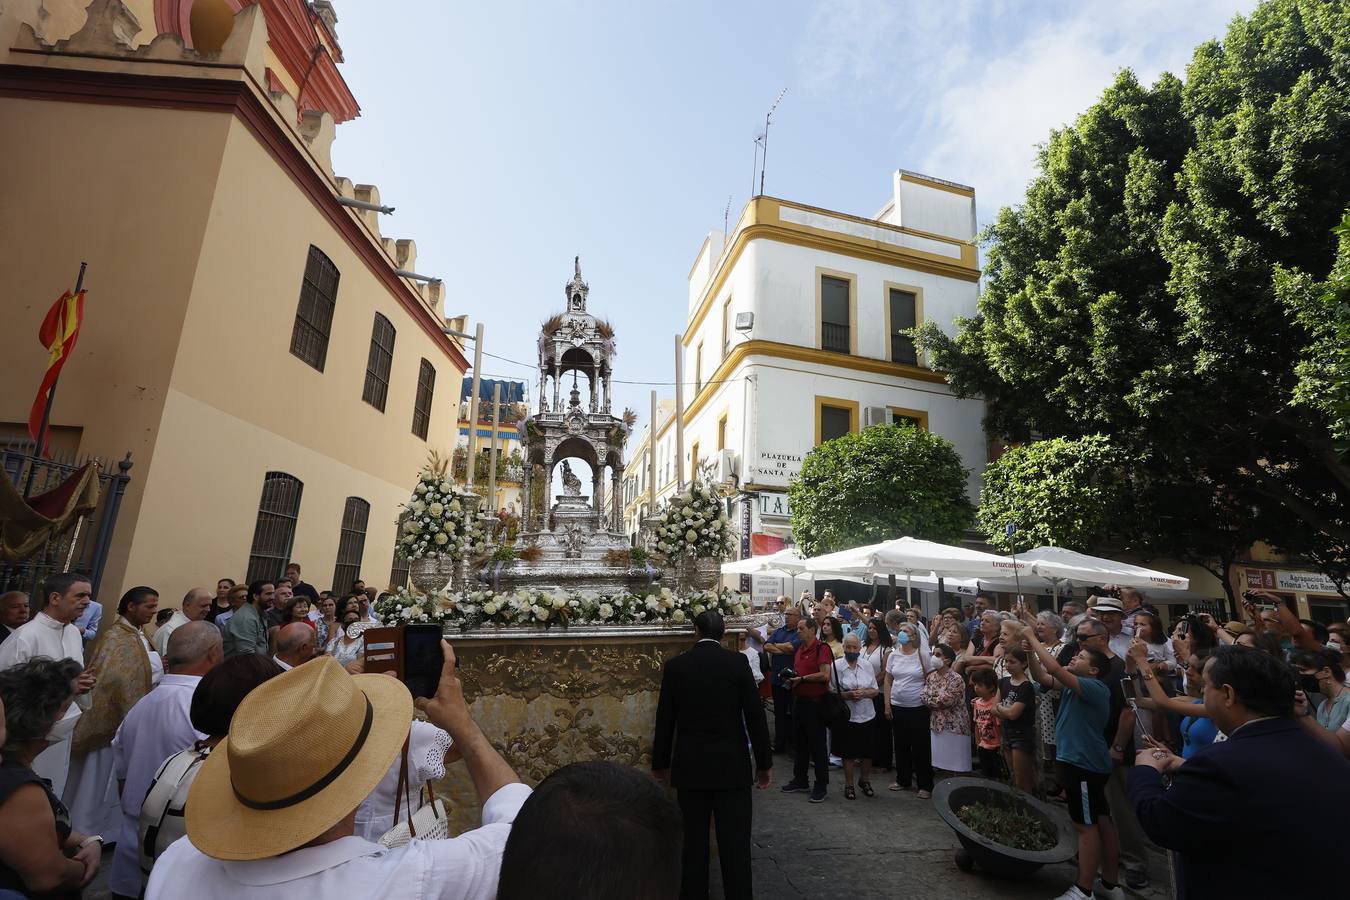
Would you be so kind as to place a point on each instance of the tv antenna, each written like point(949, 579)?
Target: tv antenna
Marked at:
point(726, 218)
point(764, 159)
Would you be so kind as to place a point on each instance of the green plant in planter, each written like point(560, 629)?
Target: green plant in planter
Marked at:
point(1007, 824)
point(639, 556)
point(504, 553)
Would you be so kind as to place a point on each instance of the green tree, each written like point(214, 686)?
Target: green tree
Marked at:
point(1143, 290)
point(1059, 492)
point(884, 482)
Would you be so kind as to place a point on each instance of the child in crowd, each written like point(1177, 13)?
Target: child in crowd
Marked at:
point(987, 726)
point(1017, 714)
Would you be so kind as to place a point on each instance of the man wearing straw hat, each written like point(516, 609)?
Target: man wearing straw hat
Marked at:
point(273, 811)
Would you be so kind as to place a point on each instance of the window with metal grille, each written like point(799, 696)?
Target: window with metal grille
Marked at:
point(314, 314)
point(426, 387)
point(378, 364)
point(398, 572)
point(902, 319)
point(351, 543)
point(834, 324)
point(274, 533)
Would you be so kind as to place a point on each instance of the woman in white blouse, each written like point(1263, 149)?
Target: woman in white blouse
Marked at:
point(906, 668)
point(853, 741)
point(344, 649)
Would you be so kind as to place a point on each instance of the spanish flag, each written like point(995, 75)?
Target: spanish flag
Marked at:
point(58, 333)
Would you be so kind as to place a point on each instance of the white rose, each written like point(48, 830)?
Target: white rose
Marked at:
point(421, 489)
point(698, 608)
point(541, 614)
point(559, 602)
point(606, 611)
point(436, 510)
point(441, 539)
point(666, 601)
point(574, 603)
point(428, 478)
point(677, 616)
point(652, 604)
point(446, 487)
point(691, 535)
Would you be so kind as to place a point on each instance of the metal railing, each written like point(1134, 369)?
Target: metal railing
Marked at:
point(82, 548)
point(902, 350)
point(834, 337)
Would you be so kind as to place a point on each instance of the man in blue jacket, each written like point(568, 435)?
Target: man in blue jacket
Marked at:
point(1247, 814)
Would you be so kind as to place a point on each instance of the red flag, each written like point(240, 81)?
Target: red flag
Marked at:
point(57, 333)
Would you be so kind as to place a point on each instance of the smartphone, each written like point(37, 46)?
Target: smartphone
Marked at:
point(422, 659)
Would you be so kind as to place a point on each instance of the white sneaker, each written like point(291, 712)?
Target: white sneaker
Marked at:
point(1073, 893)
point(1099, 890)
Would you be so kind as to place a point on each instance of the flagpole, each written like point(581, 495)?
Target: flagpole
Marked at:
point(38, 448)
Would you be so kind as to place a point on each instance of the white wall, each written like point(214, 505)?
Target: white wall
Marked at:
point(933, 210)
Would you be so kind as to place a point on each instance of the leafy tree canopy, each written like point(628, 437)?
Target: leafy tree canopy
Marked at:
point(1059, 493)
point(1164, 284)
point(884, 482)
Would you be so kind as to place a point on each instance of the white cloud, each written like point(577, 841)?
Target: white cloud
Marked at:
point(978, 85)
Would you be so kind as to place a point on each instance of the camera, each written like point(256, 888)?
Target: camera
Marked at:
point(786, 675)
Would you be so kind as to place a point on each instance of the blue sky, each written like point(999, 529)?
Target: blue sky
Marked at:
point(511, 137)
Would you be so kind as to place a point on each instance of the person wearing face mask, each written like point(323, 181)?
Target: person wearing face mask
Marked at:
point(944, 693)
point(853, 740)
point(906, 669)
point(1320, 671)
point(39, 852)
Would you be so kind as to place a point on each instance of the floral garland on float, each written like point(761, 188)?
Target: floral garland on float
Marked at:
point(693, 535)
point(526, 607)
point(437, 520)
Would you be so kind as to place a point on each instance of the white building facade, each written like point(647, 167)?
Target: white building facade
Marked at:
point(792, 339)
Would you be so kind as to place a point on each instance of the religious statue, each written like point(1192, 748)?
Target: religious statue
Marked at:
point(571, 483)
point(573, 541)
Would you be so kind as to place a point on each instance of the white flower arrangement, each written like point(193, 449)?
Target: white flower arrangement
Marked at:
point(694, 524)
point(469, 610)
point(434, 520)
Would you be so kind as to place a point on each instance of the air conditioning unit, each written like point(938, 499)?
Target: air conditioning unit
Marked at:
point(877, 415)
point(726, 466)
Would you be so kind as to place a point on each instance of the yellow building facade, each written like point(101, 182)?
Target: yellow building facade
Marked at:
point(203, 201)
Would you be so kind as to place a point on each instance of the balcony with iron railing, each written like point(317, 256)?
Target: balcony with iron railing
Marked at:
point(510, 414)
point(902, 350)
point(834, 337)
point(509, 468)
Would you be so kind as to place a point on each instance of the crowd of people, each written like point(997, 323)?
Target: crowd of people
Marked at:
point(1095, 706)
point(239, 750)
point(1215, 735)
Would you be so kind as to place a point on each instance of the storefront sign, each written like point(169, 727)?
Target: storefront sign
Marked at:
point(775, 506)
point(767, 589)
point(776, 468)
point(745, 541)
point(1304, 582)
point(1261, 579)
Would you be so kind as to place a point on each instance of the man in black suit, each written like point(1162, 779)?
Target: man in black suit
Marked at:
point(708, 702)
point(13, 612)
point(1247, 815)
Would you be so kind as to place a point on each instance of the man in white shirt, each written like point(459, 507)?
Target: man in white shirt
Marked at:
point(273, 809)
point(157, 727)
point(196, 605)
point(295, 645)
point(51, 633)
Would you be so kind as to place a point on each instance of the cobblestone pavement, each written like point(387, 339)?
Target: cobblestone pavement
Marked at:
point(893, 845)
